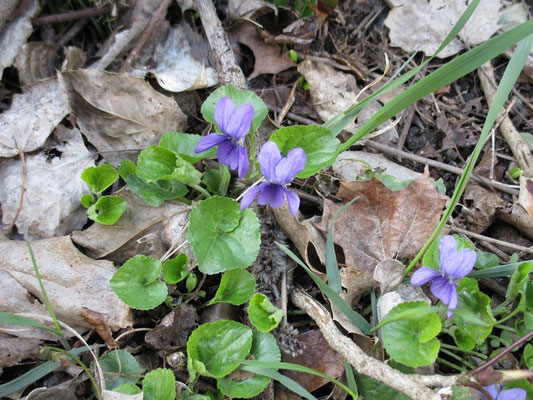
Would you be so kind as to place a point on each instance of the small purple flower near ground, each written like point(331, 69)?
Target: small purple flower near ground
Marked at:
point(278, 171)
point(498, 393)
point(234, 124)
point(453, 265)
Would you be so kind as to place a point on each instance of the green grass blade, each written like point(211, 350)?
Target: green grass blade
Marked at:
point(332, 269)
point(354, 317)
point(285, 381)
point(496, 272)
point(12, 319)
point(350, 378)
point(298, 368)
point(339, 122)
point(506, 85)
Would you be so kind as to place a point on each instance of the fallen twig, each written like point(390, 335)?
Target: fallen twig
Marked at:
point(72, 15)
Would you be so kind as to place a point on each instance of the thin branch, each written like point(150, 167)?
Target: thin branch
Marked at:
point(491, 240)
point(72, 15)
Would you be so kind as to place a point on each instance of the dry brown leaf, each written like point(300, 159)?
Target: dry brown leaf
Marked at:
point(518, 217)
point(138, 231)
point(74, 58)
point(63, 391)
point(480, 208)
point(32, 117)
point(245, 8)
point(97, 320)
point(525, 198)
point(120, 112)
point(35, 62)
point(422, 25)
point(53, 187)
point(12, 349)
point(72, 281)
point(380, 225)
point(269, 59)
point(174, 329)
point(318, 356)
point(334, 91)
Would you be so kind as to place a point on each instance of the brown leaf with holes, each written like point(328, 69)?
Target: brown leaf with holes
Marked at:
point(318, 356)
point(269, 58)
point(381, 224)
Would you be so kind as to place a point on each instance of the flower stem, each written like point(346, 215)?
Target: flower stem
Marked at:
point(254, 184)
point(251, 155)
point(473, 353)
point(458, 358)
point(509, 316)
point(201, 190)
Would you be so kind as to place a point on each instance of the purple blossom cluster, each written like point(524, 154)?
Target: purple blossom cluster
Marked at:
point(278, 171)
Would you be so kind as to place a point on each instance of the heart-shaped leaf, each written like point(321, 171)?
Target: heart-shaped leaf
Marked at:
point(107, 210)
point(99, 178)
point(236, 287)
point(263, 315)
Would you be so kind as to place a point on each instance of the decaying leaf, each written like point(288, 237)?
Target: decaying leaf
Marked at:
point(381, 224)
point(13, 349)
point(63, 391)
point(120, 112)
point(174, 329)
point(32, 117)
point(72, 281)
point(269, 59)
point(51, 205)
point(35, 62)
point(525, 198)
point(245, 8)
point(421, 25)
point(138, 231)
point(179, 64)
point(16, 33)
point(480, 208)
point(388, 274)
point(318, 356)
point(97, 320)
point(517, 217)
point(334, 91)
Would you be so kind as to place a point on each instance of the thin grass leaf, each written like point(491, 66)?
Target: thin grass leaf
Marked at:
point(513, 70)
point(298, 368)
point(354, 317)
point(285, 381)
point(451, 71)
point(13, 319)
point(332, 269)
point(409, 315)
point(496, 272)
point(350, 378)
point(339, 122)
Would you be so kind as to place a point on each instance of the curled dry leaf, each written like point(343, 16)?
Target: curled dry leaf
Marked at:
point(174, 329)
point(138, 231)
point(180, 62)
point(120, 112)
point(269, 59)
point(388, 274)
point(16, 32)
point(13, 349)
point(480, 208)
point(35, 62)
point(32, 117)
point(525, 198)
point(72, 282)
point(97, 320)
point(53, 209)
point(421, 25)
point(333, 91)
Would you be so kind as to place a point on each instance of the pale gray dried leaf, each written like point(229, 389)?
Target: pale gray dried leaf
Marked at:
point(53, 187)
point(179, 65)
point(63, 391)
point(35, 62)
point(74, 58)
point(421, 25)
point(110, 395)
point(245, 8)
point(512, 16)
point(13, 349)
point(7, 7)
point(32, 117)
point(480, 207)
point(16, 33)
point(120, 241)
point(402, 294)
point(389, 274)
point(71, 279)
point(333, 91)
point(120, 112)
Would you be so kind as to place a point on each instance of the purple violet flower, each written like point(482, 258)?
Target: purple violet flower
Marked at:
point(278, 171)
point(234, 124)
point(498, 393)
point(453, 265)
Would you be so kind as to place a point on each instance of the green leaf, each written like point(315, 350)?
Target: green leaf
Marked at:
point(87, 200)
point(175, 269)
point(528, 138)
point(393, 183)
point(411, 313)
point(127, 388)
point(461, 393)
point(527, 356)
point(412, 342)
point(136, 283)
point(217, 180)
point(239, 98)
point(486, 260)
point(215, 348)
point(107, 210)
point(154, 193)
point(236, 287)
point(99, 178)
point(119, 367)
point(159, 384)
point(372, 389)
point(191, 282)
point(518, 281)
point(222, 236)
point(264, 348)
point(183, 144)
point(13, 319)
point(473, 315)
point(263, 315)
point(464, 341)
point(319, 144)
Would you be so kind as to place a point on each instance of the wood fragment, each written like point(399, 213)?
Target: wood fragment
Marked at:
point(71, 15)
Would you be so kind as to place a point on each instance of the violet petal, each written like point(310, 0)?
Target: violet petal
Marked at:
point(228, 154)
point(424, 275)
point(443, 289)
point(251, 194)
point(293, 200)
point(463, 263)
point(243, 162)
point(271, 194)
point(223, 111)
point(512, 394)
point(289, 166)
point(209, 141)
point(239, 122)
point(447, 251)
point(268, 158)
point(493, 391)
